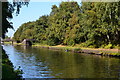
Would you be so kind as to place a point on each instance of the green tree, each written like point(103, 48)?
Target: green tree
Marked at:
point(92, 24)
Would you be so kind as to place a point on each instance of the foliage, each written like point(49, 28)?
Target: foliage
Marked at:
point(109, 46)
point(7, 10)
point(7, 68)
point(93, 24)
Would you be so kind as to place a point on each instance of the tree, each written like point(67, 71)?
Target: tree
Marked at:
point(93, 24)
point(7, 10)
point(100, 23)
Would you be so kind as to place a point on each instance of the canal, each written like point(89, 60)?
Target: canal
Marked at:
point(44, 63)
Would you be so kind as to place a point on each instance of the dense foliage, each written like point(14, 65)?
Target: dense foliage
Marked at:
point(91, 24)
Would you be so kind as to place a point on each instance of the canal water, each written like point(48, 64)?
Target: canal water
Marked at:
point(44, 63)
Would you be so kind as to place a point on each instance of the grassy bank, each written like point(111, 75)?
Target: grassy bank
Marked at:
point(59, 47)
point(76, 49)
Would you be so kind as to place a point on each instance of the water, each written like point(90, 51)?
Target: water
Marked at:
point(44, 63)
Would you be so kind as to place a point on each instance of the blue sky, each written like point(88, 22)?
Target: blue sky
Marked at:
point(31, 13)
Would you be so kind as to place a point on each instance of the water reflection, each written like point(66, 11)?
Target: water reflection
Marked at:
point(44, 63)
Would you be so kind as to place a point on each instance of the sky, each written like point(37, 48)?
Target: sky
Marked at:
point(31, 13)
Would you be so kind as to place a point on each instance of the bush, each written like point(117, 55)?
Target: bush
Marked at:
point(117, 47)
point(109, 46)
point(102, 46)
point(83, 45)
point(88, 43)
point(92, 46)
point(51, 42)
point(71, 42)
point(44, 42)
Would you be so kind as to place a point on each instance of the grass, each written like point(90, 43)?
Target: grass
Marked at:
point(60, 47)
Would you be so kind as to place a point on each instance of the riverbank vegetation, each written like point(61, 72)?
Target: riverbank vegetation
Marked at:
point(91, 24)
point(7, 10)
point(76, 49)
point(7, 68)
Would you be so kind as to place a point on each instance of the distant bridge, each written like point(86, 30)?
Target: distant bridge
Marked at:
point(24, 42)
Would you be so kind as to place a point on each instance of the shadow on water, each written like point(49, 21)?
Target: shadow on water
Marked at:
point(44, 63)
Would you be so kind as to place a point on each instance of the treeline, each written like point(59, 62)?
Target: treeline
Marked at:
point(91, 24)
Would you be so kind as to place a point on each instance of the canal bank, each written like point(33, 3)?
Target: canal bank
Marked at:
point(95, 51)
point(75, 49)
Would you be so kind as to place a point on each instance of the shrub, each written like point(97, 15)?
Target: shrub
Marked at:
point(44, 42)
point(102, 46)
point(71, 42)
point(83, 45)
point(109, 46)
point(92, 46)
point(51, 42)
point(117, 47)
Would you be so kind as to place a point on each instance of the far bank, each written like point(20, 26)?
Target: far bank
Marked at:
point(76, 49)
